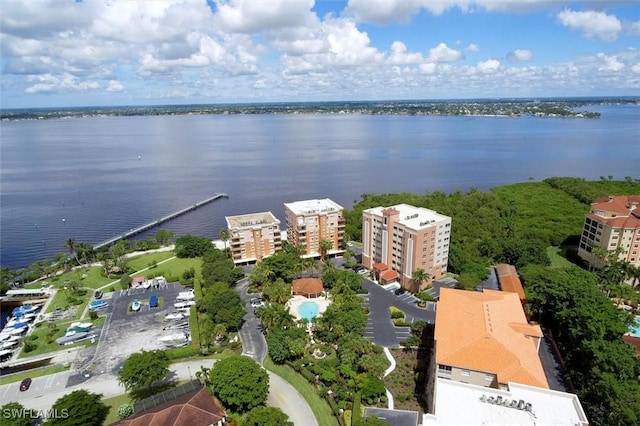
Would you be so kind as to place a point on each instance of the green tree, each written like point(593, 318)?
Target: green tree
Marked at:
point(15, 414)
point(278, 292)
point(190, 246)
point(224, 236)
point(266, 416)
point(240, 383)
point(142, 371)
point(224, 305)
point(419, 277)
point(164, 236)
point(79, 408)
point(325, 246)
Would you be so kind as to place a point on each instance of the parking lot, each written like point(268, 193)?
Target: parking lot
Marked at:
point(126, 332)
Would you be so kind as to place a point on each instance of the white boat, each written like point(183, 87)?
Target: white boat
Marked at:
point(186, 295)
point(14, 338)
point(81, 324)
point(135, 305)
point(146, 284)
point(174, 340)
point(17, 331)
point(174, 316)
point(185, 304)
point(9, 344)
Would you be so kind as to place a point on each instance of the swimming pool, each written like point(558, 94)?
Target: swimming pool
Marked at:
point(308, 310)
point(634, 329)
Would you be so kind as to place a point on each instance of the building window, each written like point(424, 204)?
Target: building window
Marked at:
point(444, 369)
point(464, 373)
point(488, 377)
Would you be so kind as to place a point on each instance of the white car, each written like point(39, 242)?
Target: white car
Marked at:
point(256, 302)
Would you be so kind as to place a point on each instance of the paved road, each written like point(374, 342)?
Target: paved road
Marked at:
point(44, 391)
point(380, 330)
point(253, 342)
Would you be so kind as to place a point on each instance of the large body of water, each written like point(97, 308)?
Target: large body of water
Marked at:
point(92, 178)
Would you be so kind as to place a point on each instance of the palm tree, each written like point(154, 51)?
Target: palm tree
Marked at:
point(224, 236)
point(420, 276)
point(70, 243)
point(325, 246)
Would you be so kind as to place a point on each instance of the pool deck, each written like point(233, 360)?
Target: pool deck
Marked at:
point(294, 303)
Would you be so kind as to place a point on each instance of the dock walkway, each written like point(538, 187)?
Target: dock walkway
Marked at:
point(159, 221)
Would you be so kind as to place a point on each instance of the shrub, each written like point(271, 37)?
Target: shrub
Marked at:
point(183, 352)
point(29, 346)
point(93, 315)
point(124, 411)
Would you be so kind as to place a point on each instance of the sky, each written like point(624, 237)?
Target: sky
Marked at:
point(63, 53)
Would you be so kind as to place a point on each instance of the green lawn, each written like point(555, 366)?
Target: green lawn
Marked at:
point(319, 407)
point(32, 373)
point(144, 260)
point(87, 277)
point(114, 403)
point(45, 337)
point(556, 258)
point(175, 267)
point(62, 300)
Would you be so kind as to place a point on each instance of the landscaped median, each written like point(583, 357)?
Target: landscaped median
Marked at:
point(320, 408)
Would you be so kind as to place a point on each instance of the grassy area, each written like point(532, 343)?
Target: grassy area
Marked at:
point(63, 299)
point(556, 258)
point(320, 408)
point(144, 260)
point(45, 337)
point(114, 403)
point(13, 378)
point(87, 277)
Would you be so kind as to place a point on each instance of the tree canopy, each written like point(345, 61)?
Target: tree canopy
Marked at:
point(79, 408)
point(240, 383)
point(192, 246)
point(266, 416)
point(142, 371)
point(15, 414)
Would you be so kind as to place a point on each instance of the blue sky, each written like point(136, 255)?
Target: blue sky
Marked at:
point(57, 53)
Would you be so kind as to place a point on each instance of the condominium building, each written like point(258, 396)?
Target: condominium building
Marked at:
point(613, 223)
point(483, 338)
point(402, 239)
point(486, 367)
point(311, 221)
point(253, 236)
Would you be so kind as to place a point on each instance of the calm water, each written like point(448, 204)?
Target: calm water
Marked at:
point(106, 175)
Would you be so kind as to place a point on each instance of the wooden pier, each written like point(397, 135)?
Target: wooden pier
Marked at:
point(157, 222)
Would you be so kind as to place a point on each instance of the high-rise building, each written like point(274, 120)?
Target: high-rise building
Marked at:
point(613, 223)
point(311, 221)
point(398, 240)
point(253, 237)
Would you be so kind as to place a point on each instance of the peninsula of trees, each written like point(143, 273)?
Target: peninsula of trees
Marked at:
point(562, 107)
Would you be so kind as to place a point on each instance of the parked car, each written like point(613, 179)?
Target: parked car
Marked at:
point(399, 291)
point(24, 385)
point(256, 302)
point(97, 294)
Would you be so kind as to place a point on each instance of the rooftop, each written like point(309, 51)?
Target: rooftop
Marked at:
point(509, 280)
point(308, 207)
point(307, 286)
point(251, 220)
point(463, 404)
point(488, 332)
point(622, 205)
point(415, 218)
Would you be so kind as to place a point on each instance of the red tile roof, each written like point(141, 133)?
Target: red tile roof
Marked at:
point(380, 266)
point(192, 409)
point(488, 332)
point(620, 204)
point(307, 286)
point(389, 275)
point(138, 279)
point(509, 280)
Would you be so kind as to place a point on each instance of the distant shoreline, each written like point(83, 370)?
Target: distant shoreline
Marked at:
point(552, 108)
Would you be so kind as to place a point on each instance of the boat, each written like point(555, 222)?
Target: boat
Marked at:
point(9, 344)
point(78, 327)
point(98, 304)
point(5, 354)
point(153, 301)
point(174, 340)
point(135, 305)
point(182, 305)
point(81, 324)
point(18, 330)
point(146, 284)
point(174, 316)
point(67, 340)
point(186, 295)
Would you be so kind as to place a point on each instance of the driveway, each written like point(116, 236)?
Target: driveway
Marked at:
point(380, 330)
point(253, 342)
point(44, 391)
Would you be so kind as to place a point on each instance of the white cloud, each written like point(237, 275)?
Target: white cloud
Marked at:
point(488, 67)
point(592, 24)
point(472, 48)
point(443, 53)
point(519, 55)
point(115, 86)
point(251, 16)
point(634, 28)
point(63, 83)
point(609, 63)
point(636, 68)
point(400, 55)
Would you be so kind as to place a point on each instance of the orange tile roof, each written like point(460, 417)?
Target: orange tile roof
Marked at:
point(194, 408)
point(380, 266)
point(620, 204)
point(488, 332)
point(509, 280)
point(307, 286)
point(389, 275)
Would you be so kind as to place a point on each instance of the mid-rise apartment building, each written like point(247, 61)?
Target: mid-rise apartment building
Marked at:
point(252, 237)
point(403, 239)
point(613, 223)
point(483, 338)
point(311, 221)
